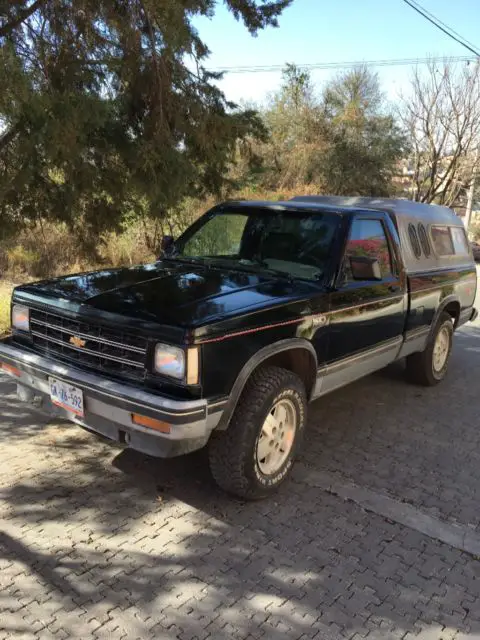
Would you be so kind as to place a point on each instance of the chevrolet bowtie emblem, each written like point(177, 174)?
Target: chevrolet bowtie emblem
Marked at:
point(77, 342)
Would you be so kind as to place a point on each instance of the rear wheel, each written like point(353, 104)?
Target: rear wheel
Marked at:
point(256, 453)
point(429, 367)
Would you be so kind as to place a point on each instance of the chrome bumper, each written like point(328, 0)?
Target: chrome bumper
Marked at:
point(109, 405)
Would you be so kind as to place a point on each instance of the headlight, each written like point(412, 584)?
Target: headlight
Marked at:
point(20, 318)
point(170, 361)
point(177, 363)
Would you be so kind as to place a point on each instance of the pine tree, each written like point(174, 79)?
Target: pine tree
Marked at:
point(106, 107)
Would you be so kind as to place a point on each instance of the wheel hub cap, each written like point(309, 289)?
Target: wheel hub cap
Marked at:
point(440, 349)
point(276, 438)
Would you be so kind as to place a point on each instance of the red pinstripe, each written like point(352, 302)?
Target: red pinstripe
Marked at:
point(247, 331)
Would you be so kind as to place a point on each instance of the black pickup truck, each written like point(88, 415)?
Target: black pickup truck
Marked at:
point(256, 310)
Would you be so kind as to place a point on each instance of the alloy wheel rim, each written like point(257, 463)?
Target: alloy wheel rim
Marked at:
point(440, 349)
point(276, 437)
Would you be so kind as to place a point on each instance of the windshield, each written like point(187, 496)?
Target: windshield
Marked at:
point(295, 243)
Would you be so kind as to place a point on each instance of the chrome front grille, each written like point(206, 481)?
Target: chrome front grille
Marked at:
point(89, 345)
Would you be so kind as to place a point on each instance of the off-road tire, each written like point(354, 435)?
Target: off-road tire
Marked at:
point(232, 453)
point(420, 369)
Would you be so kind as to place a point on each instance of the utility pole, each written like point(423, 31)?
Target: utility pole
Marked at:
point(471, 192)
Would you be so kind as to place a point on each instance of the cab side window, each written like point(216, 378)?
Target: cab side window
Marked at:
point(368, 239)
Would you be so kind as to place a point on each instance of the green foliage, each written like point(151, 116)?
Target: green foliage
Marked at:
point(112, 132)
point(364, 142)
point(341, 141)
point(353, 96)
point(107, 111)
point(220, 236)
point(297, 128)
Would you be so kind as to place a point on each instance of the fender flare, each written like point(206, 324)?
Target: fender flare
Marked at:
point(444, 303)
point(252, 364)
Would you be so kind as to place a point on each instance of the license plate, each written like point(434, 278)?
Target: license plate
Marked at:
point(66, 396)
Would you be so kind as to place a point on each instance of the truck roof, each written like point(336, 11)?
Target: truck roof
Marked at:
point(428, 213)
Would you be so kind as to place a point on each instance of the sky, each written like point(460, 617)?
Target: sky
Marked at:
point(319, 31)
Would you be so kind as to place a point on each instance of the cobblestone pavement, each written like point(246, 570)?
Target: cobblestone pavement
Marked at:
point(100, 542)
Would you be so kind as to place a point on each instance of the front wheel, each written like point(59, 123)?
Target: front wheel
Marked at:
point(256, 453)
point(429, 367)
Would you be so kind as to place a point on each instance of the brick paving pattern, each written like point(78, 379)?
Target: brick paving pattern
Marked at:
point(100, 542)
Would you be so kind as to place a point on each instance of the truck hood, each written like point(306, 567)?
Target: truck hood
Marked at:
point(168, 292)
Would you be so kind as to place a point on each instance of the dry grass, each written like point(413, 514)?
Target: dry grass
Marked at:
point(31, 255)
point(5, 293)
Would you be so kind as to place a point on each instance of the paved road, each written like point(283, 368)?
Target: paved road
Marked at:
point(100, 542)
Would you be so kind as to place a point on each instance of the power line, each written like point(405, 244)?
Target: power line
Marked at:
point(344, 64)
point(447, 30)
point(429, 13)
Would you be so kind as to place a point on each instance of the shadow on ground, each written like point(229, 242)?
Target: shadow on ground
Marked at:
point(100, 530)
point(17, 421)
point(421, 445)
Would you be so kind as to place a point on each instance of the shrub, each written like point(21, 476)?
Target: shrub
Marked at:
point(5, 292)
point(22, 260)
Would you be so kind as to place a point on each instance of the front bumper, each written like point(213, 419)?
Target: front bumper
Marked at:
point(109, 405)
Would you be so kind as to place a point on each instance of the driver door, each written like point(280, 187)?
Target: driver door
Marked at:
point(366, 314)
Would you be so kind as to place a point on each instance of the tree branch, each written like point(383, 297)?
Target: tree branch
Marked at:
point(8, 27)
point(8, 136)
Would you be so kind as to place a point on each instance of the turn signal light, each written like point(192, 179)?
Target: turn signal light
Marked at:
point(9, 369)
point(150, 423)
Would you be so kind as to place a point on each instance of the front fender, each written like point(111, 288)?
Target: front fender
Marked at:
point(255, 361)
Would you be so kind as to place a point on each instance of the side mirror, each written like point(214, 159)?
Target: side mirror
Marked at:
point(364, 268)
point(167, 245)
